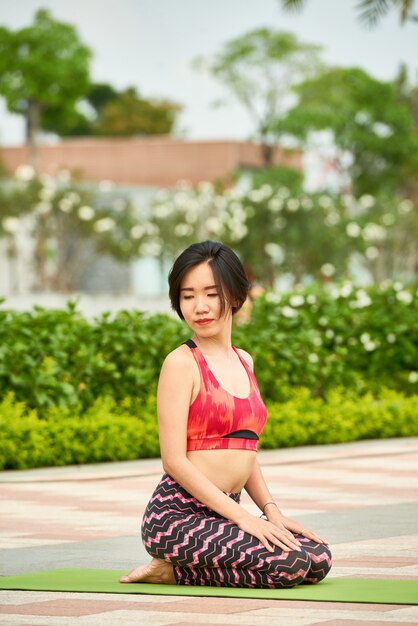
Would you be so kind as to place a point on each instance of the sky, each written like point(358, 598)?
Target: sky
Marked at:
point(150, 44)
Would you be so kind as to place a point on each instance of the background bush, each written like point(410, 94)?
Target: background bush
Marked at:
point(333, 364)
point(111, 432)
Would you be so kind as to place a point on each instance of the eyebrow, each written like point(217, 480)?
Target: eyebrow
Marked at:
point(192, 289)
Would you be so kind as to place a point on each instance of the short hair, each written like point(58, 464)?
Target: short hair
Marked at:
point(228, 272)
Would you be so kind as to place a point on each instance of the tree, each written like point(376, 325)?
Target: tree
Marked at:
point(370, 11)
point(259, 68)
point(42, 65)
point(113, 113)
point(70, 120)
point(371, 119)
point(127, 114)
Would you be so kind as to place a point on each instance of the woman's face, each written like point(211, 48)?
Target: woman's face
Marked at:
point(200, 301)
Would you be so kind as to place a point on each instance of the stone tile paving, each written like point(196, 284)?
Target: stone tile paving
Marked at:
point(361, 496)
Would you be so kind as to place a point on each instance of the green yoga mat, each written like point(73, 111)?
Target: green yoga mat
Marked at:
point(370, 590)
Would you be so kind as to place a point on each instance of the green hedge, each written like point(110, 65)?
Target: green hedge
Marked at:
point(316, 337)
point(109, 431)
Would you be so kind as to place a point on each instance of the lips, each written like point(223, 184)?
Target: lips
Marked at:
point(203, 322)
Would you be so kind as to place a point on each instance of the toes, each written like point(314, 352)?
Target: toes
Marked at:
point(124, 579)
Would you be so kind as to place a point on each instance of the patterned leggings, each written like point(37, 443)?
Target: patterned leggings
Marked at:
point(208, 550)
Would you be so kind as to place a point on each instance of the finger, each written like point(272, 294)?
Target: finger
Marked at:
point(309, 534)
point(288, 543)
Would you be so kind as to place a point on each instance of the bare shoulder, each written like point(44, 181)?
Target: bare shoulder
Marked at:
point(247, 356)
point(179, 358)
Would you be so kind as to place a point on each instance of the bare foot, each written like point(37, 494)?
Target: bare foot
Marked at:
point(157, 571)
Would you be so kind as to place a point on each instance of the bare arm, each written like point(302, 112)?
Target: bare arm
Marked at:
point(257, 489)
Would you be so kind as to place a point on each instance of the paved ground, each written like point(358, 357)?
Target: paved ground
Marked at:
point(362, 497)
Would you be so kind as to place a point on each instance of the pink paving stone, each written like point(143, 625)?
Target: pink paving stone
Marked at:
point(354, 622)
point(73, 608)
point(375, 561)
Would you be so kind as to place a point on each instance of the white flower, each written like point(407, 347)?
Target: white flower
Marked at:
point(327, 269)
point(137, 231)
point(11, 224)
point(296, 300)
point(372, 253)
point(365, 338)
point(325, 202)
point(287, 311)
point(317, 341)
point(362, 301)
point(64, 176)
point(214, 225)
point(391, 338)
point(413, 377)
point(273, 297)
point(405, 206)
point(275, 252)
point(293, 205)
point(404, 296)
point(183, 230)
point(151, 248)
point(306, 204)
point(311, 299)
point(374, 232)
point(388, 219)
point(205, 187)
point(255, 195)
point(46, 193)
point(86, 213)
point(161, 211)
point(370, 346)
point(74, 197)
point(346, 290)
point(151, 229)
point(382, 130)
point(329, 333)
point(352, 229)
point(104, 225)
point(25, 172)
point(313, 358)
point(65, 205)
point(338, 339)
point(275, 205)
point(397, 285)
point(323, 321)
point(43, 208)
point(283, 192)
point(332, 218)
point(367, 201)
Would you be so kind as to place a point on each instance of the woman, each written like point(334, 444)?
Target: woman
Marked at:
point(210, 416)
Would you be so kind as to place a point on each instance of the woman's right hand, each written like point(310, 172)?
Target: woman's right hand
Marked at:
point(269, 534)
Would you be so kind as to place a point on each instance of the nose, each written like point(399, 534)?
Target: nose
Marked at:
point(200, 304)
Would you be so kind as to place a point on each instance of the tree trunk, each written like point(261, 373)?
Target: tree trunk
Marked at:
point(267, 154)
point(33, 115)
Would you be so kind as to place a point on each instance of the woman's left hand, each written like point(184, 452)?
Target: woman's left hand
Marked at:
point(295, 527)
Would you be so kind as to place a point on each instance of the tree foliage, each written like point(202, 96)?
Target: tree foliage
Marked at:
point(372, 120)
point(369, 11)
point(259, 68)
point(42, 65)
point(112, 113)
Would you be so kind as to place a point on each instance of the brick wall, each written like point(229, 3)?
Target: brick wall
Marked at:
point(159, 162)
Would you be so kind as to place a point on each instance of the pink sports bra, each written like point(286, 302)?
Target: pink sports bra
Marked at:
point(218, 419)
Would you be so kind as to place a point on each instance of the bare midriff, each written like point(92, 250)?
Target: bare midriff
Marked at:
point(228, 469)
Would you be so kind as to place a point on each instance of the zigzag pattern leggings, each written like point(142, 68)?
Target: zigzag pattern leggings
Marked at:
point(208, 550)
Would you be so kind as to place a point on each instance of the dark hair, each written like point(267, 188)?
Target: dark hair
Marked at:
point(228, 272)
